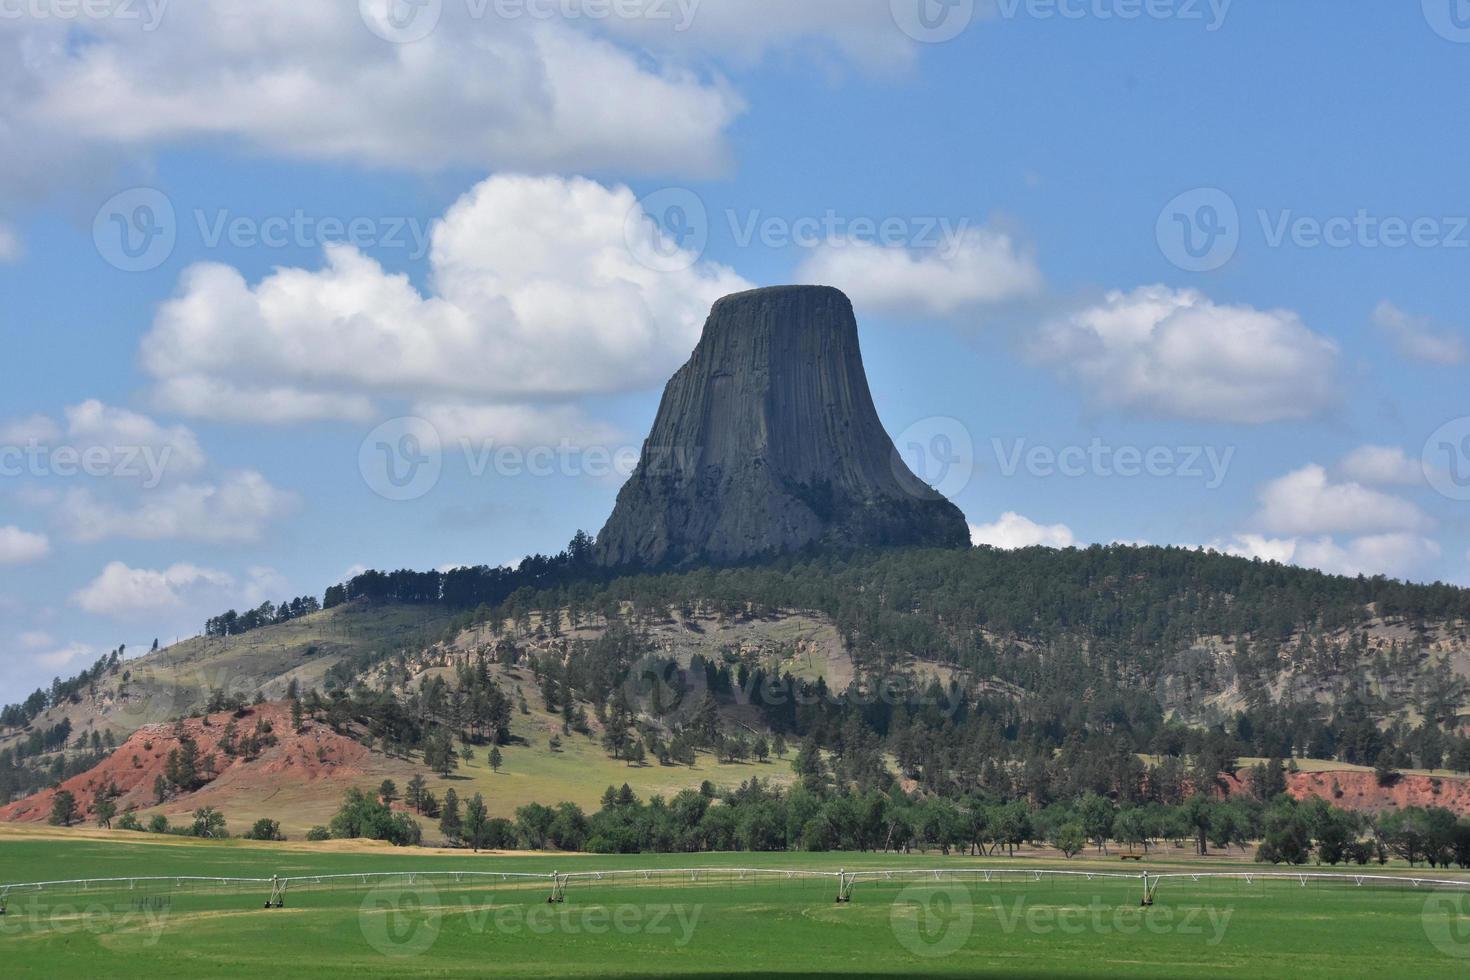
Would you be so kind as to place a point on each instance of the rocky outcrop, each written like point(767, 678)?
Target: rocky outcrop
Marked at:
point(1359, 789)
point(767, 441)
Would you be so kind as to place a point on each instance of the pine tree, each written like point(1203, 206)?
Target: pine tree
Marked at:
point(63, 808)
point(449, 824)
point(476, 822)
point(104, 809)
point(415, 794)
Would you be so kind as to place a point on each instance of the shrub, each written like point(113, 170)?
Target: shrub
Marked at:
point(265, 829)
point(318, 834)
point(362, 815)
point(208, 822)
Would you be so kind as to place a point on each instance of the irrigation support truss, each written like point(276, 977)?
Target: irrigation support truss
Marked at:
point(845, 880)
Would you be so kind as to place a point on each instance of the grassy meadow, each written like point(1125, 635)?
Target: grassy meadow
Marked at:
point(686, 925)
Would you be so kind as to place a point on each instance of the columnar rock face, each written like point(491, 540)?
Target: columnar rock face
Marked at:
point(767, 441)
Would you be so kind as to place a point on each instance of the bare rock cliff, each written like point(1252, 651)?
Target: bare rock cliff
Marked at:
point(767, 441)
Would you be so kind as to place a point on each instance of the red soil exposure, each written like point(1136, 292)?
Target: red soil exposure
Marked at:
point(1360, 791)
point(1354, 790)
point(315, 753)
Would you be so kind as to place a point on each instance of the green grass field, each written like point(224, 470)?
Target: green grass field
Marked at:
point(715, 925)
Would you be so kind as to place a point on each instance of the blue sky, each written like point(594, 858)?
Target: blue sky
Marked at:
point(505, 229)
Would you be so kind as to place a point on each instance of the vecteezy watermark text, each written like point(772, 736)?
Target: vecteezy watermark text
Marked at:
point(147, 916)
point(301, 230)
point(1210, 464)
point(669, 230)
point(35, 458)
point(1104, 918)
point(1211, 13)
point(407, 21)
point(137, 230)
point(403, 459)
point(1201, 230)
point(942, 235)
point(404, 921)
point(1363, 229)
point(147, 13)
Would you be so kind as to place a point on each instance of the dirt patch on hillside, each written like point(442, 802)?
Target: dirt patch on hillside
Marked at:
point(315, 753)
point(1361, 791)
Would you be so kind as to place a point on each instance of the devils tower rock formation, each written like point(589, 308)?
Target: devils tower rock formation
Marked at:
point(767, 441)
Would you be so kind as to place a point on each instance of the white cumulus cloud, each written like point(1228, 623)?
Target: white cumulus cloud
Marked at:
point(515, 425)
point(1178, 354)
point(535, 291)
point(978, 268)
point(1014, 531)
point(19, 547)
point(1307, 501)
point(289, 78)
point(745, 30)
point(236, 509)
point(123, 592)
point(1417, 338)
point(11, 247)
point(99, 440)
point(62, 656)
point(1381, 466)
point(1399, 555)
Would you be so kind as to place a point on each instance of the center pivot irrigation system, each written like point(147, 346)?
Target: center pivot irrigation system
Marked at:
point(555, 883)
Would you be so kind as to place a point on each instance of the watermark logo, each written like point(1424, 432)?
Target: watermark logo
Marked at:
point(1363, 229)
point(1102, 918)
point(939, 452)
point(1211, 13)
point(1446, 921)
point(659, 687)
point(163, 691)
point(1446, 459)
point(932, 921)
point(302, 230)
point(401, 921)
point(1208, 464)
point(674, 922)
point(146, 916)
point(668, 230)
point(944, 236)
point(401, 459)
point(898, 687)
point(1450, 19)
point(1199, 231)
point(401, 21)
point(933, 21)
point(146, 464)
point(135, 230)
point(149, 696)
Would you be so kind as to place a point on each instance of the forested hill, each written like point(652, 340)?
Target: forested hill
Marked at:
point(997, 668)
point(1119, 592)
point(1134, 607)
point(1077, 636)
